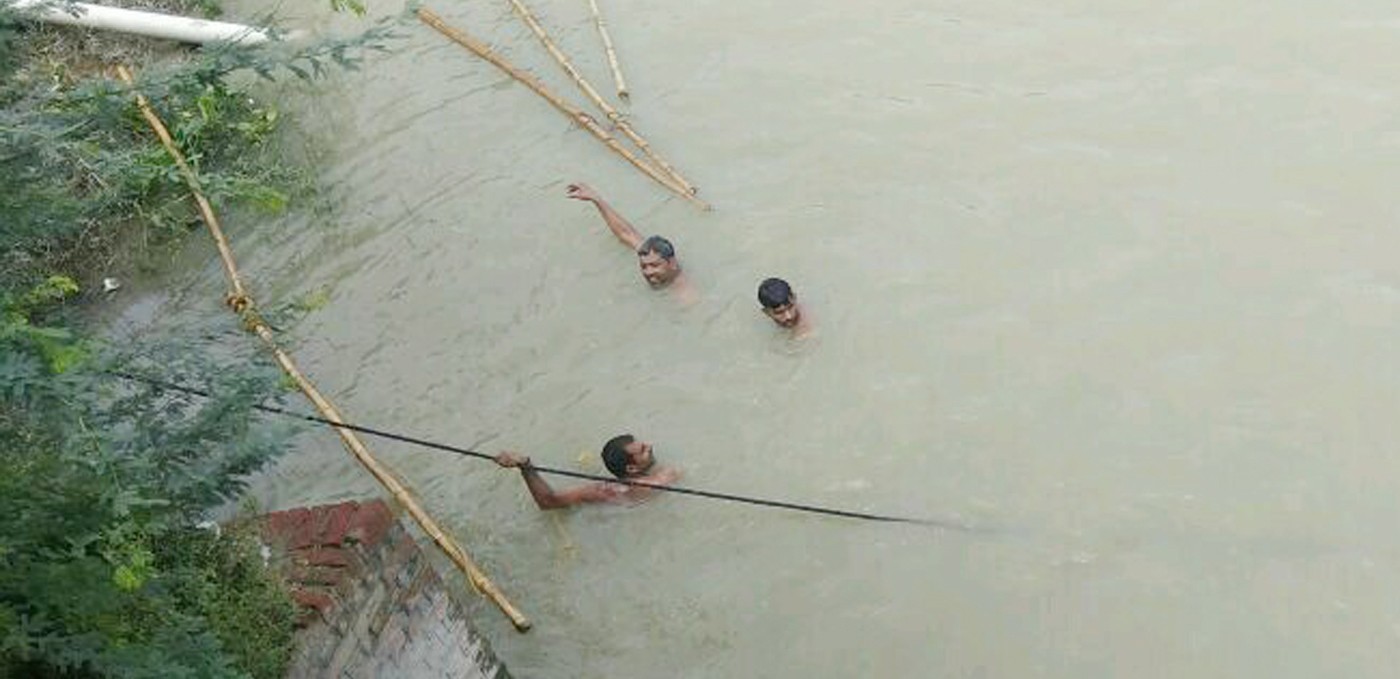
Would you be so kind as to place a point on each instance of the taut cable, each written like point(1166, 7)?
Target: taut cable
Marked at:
point(947, 524)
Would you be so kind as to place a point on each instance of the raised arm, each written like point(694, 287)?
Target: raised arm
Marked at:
point(616, 222)
point(544, 495)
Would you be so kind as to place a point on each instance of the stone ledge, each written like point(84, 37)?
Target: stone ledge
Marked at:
point(372, 606)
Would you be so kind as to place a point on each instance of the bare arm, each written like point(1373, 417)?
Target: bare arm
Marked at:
point(617, 223)
point(545, 496)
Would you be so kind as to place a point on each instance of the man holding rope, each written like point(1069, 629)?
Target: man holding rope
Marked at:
point(655, 255)
point(630, 460)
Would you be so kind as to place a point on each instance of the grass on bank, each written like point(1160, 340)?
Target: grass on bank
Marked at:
point(104, 570)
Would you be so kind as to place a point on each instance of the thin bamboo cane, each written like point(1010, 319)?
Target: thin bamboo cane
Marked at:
point(205, 209)
point(622, 92)
point(581, 118)
point(587, 88)
point(242, 303)
point(445, 542)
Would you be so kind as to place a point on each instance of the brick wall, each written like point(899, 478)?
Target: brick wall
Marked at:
point(372, 606)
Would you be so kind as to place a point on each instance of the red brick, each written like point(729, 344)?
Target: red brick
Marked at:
point(304, 534)
point(370, 522)
point(337, 522)
point(333, 557)
point(313, 575)
point(317, 601)
point(279, 526)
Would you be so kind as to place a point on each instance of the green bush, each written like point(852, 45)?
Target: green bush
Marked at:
point(104, 571)
point(78, 165)
point(223, 577)
point(79, 161)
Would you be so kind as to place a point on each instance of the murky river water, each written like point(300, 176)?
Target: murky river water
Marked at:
point(1116, 276)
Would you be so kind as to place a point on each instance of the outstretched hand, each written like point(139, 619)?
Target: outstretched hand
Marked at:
point(511, 460)
point(582, 191)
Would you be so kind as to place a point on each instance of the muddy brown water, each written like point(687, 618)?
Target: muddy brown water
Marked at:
point(1118, 277)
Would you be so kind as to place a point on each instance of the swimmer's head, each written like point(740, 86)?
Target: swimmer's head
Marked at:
point(626, 457)
point(779, 302)
point(657, 258)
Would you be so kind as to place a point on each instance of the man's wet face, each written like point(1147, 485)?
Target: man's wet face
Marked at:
point(640, 457)
point(786, 315)
point(657, 270)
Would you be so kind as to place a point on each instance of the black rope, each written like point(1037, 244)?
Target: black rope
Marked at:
point(938, 523)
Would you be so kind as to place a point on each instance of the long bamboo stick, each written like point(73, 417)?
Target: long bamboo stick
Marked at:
point(581, 118)
point(243, 304)
point(587, 88)
point(386, 478)
point(205, 209)
point(618, 80)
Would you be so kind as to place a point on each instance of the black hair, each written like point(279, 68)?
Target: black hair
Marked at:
point(615, 456)
point(659, 245)
point(774, 292)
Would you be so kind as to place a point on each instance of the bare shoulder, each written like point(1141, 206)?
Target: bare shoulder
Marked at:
point(663, 477)
point(684, 291)
point(641, 493)
point(806, 325)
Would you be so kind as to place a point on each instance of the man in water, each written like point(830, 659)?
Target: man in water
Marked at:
point(627, 458)
point(655, 255)
point(779, 302)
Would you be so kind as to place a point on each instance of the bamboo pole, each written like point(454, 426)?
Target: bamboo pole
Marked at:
point(205, 209)
point(386, 478)
point(622, 92)
point(581, 118)
point(587, 88)
point(244, 306)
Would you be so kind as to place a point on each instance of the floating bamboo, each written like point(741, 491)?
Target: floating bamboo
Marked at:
point(243, 305)
point(608, 48)
point(573, 112)
point(617, 120)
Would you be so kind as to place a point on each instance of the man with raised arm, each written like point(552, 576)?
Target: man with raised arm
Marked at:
point(655, 255)
point(627, 458)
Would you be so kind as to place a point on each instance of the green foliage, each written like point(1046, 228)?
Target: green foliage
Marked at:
point(355, 6)
point(76, 159)
point(55, 346)
point(223, 577)
point(102, 570)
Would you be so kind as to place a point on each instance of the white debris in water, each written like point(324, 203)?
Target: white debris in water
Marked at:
point(110, 284)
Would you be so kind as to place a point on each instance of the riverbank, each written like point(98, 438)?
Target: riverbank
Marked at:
point(106, 489)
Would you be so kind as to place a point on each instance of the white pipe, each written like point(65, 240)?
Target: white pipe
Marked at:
point(148, 24)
